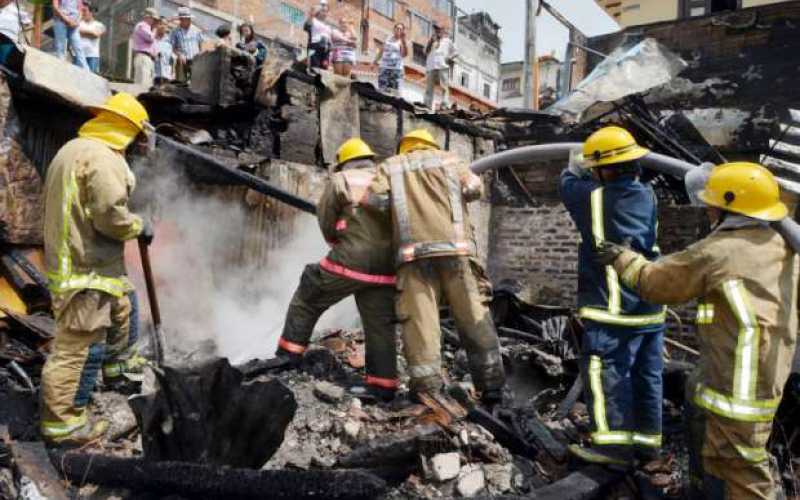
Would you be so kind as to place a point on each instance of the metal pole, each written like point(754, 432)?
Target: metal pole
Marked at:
point(528, 69)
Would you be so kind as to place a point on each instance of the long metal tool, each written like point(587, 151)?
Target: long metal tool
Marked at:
point(787, 227)
point(240, 177)
point(152, 298)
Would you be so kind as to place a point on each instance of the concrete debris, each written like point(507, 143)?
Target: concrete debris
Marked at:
point(445, 466)
point(328, 392)
point(471, 481)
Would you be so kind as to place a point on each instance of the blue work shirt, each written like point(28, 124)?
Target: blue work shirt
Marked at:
point(619, 210)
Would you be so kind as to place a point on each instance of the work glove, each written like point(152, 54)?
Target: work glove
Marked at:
point(147, 234)
point(575, 168)
point(607, 252)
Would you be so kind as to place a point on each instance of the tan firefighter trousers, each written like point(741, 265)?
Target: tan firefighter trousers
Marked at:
point(422, 286)
point(92, 330)
point(728, 459)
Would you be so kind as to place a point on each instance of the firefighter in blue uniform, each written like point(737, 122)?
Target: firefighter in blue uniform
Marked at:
point(624, 335)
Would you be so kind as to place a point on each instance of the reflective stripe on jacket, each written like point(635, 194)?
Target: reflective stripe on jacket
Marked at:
point(361, 246)
point(87, 220)
point(619, 210)
point(746, 281)
point(428, 192)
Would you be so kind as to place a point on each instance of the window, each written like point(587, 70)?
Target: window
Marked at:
point(423, 24)
point(292, 14)
point(465, 79)
point(442, 5)
point(487, 91)
point(419, 54)
point(510, 84)
point(384, 7)
point(694, 8)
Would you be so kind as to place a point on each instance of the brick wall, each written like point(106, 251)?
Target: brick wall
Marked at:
point(537, 246)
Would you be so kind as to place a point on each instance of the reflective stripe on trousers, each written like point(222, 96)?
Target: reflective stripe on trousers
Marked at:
point(59, 429)
point(603, 435)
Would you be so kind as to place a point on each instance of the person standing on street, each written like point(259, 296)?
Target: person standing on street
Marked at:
point(426, 191)
point(250, 44)
point(344, 41)
point(319, 36)
point(86, 225)
point(186, 41)
point(744, 277)
point(391, 68)
point(66, 34)
point(624, 334)
point(91, 30)
point(359, 264)
point(144, 48)
point(165, 57)
point(441, 54)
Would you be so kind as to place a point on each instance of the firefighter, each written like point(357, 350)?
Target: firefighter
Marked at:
point(359, 264)
point(86, 225)
point(624, 334)
point(427, 191)
point(745, 279)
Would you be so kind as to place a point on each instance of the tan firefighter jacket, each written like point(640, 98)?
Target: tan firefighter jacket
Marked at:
point(428, 191)
point(361, 240)
point(87, 220)
point(746, 282)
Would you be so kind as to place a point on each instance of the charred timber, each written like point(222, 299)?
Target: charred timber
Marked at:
point(194, 480)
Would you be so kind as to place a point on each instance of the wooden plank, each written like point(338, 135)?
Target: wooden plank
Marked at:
point(31, 461)
point(74, 84)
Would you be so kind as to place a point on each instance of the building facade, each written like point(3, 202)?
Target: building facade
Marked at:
point(477, 68)
point(512, 82)
point(637, 12)
point(280, 24)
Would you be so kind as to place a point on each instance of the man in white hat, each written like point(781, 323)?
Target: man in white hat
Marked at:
point(186, 42)
point(144, 48)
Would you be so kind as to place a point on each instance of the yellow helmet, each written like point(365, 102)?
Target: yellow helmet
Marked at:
point(353, 149)
point(611, 145)
point(125, 106)
point(744, 188)
point(416, 139)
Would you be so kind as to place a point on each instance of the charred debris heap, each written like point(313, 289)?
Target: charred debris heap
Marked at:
point(207, 429)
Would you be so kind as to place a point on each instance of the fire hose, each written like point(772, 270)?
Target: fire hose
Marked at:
point(787, 228)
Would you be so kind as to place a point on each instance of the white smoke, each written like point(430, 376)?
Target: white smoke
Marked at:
point(205, 291)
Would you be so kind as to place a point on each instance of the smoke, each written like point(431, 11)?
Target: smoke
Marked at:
point(211, 298)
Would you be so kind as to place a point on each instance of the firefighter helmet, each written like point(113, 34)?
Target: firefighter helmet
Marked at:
point(611, 145)
point(125, 106)
point(744, 188)
point(353, 149)
point(416, 139)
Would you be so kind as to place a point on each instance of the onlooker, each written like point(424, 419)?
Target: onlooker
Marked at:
point(391, 70)
point(319, 33)
point(185, 40)
point(250, 44)
point(66, 20)
point(165, 58)
point(224, 35)
point(11, 25)
point(144, 48)
point(441, 53)
point(344, 42)
point(91, 30)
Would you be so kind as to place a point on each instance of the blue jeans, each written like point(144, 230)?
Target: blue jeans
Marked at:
point(623, 369)
point(65, 35)
point(93, 63)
